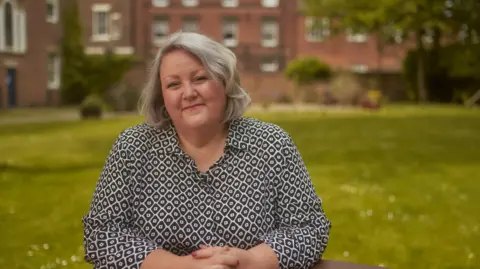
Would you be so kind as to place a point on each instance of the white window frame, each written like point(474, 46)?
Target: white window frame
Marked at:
point(190, 3)
point(96, 10)
point(166, 29)
point(398, 36)
point(160, 3)
point(427, 38)
point(359, 68)
point(356, 37)
point(314, 34)
point(230, 3)
point(273, 26)
point(190, 25)
point(54, 17)
point(54, 60)
point(230, 25)
point(19, 29)
point(271, 3)
point(115, 26)
point(269, 66)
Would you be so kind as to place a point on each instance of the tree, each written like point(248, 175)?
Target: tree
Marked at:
point(84, 75)
point(307, 70)
point(426, 19)
point(73, 58)
point(357, 16)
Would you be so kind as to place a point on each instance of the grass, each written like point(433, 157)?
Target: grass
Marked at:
point(35, 112)
point(400, 186)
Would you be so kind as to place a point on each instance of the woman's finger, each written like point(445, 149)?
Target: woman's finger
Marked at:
point(208, 252)
point(226, 259)
point(218, 266)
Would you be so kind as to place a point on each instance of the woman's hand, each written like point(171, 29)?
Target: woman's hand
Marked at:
point(246, 259)
point(218, 258)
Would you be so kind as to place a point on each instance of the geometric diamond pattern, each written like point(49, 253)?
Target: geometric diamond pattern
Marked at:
point(150, 195)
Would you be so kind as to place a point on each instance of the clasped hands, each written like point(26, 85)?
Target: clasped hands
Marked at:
point(211, 257)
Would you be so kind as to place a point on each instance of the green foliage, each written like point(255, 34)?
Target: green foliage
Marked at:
point(92, 106)
point(307, 70)
point(86, 74)
point(101, 72)
point(424, 18)
point(73, 86)
point(451, 71)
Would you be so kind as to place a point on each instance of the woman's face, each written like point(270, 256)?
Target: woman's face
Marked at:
point(192, 98)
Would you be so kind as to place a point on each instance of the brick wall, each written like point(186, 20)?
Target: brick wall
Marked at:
point(31, 67)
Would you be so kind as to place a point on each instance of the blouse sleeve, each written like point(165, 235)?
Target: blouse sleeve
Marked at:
point(109, 241)
point(303, 229)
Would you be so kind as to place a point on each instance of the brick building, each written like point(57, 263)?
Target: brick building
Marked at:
point(264, 34)
point(29, 52)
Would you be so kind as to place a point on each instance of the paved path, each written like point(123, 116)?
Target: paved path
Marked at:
point(74, 116)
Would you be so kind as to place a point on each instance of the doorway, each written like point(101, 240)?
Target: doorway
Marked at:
point(11, 87)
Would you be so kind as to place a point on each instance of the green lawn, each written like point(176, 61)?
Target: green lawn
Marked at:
point(401, 186)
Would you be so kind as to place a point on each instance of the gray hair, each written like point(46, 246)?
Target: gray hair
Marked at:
point(219, 61)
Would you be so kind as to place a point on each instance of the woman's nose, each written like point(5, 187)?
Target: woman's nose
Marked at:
point(189, 91)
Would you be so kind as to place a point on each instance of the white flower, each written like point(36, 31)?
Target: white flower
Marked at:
point(346, 254)
point(391, 198)
point(362, 214)
point(45, 246)
point(390, 215)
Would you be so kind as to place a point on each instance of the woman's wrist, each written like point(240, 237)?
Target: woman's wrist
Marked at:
point(162, 259)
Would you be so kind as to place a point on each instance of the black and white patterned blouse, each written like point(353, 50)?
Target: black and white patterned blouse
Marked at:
point(150, 195)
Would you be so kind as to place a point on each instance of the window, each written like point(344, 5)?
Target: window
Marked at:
point(115, 26)
point(269, 65)
point(160, 30)
point(270, 3)
point(190, 25)
point(269, 33)
point(356, 37)
point(229, 3)
point(359, 68)
point(160, 3)
point(101, 22)
point(53, 69)
point(8, 25)
point(190, 3)
point(13, 27)
point(230, 32)
point(52, 11)
point(316, 29)
point(398, 36)
point(428, 36)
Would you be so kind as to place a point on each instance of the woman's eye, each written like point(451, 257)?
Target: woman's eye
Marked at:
point(201, 78)
point(172, 84)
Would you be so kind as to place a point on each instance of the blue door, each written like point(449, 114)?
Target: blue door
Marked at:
point(12, 87)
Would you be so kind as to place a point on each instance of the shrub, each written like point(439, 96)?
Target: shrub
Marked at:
point(307, 70)
point(92, 107)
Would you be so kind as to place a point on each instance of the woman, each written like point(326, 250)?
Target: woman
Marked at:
point(198, 185)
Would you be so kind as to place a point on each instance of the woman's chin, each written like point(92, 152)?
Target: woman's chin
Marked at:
point(196, 121)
